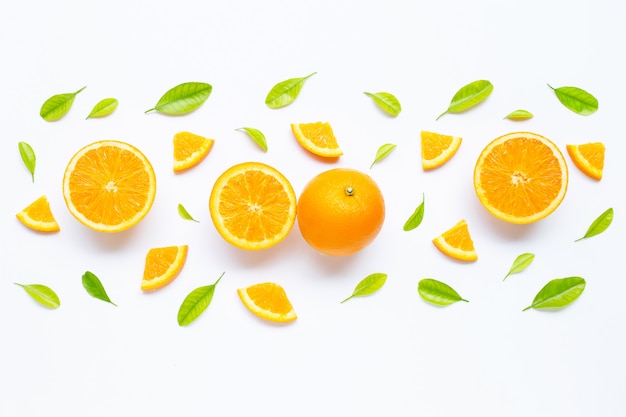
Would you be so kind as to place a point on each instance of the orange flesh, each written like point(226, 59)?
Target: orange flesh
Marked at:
point(320, 134)
point(270, 298)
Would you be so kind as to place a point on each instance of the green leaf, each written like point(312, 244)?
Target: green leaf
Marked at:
point(28, 157)
point(368, 285)
point(382, 152)
point(58, 105)
point(437, 292)
point(42, 294)
point(257, 136)
point(387, 102)
point(519, 115)
point(599, 225)
point(94, 287)
point(285, 92)
point(182, 212)
point(576, 99)
point(520, 263)
point(195, 303)
point(469, 96)
point(183, 98)
point(558, 293)
point(103, 108)
point(416, 218)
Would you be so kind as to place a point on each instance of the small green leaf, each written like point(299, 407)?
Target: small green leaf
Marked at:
point(58, 105)
point(416, 218)
point(94, 287)
point(469, 96)
point(558, 293)
point(103, 108)
point(195, 303)
point(437, 292)
point(28, 157)
point(387, 102)
point(519, 115)
point(42, 294)
point(183, 98)
point(520, 263)
point(382, 152)
point(599, 225)
point(285, 92)
point(257, 136)
point(576, 99)
point(182, 212)
point(368, 285)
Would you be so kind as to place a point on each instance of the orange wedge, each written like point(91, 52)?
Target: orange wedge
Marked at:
point(38, 216)
point(269, 301)
point(437, 149)
point(162, 266)
point(457, 243)
point(189, 150)
point(588, 157)
point(317, 138)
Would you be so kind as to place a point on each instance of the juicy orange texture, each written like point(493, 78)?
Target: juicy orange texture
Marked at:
point(437, 148)
point(269, 301)
point(189, 150)
point(38, 216)
point(318, 138)
point(588, 157)
point(457, 243)
point(162, 266)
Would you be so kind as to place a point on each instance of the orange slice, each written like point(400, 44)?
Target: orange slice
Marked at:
point(520, 177)
point(457, 243)
point(189, 150)
point(588, 157)
point(317, 138)
point(162, 266)
point(109, 186)
point(253, 206)
point(38, 216)
point(437, 149)
point(269, 301)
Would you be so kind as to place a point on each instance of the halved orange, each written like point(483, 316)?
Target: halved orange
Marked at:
point(109, 186)
point(317, 138)
point(162, 266)
point(252, 205)
point(457, 243)
point(269, 301)
point(437, 148)
point(189, 150)
point(588, 157)
point(38, 216)
point(520, 177)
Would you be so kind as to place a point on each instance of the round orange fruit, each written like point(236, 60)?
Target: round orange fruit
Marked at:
point(340, 211)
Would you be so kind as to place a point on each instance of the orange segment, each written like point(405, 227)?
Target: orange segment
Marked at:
point(588, 157)
point(317, 138)
point(38, 216)
point(189, 150)
point(162, 266)
point(109, 186)
point(521, 177)
point(457, 243)
point(269, 301)
point(253, 206)
point(437, 149)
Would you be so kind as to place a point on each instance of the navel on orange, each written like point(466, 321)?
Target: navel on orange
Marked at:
point(109, 186)
point(317, 138)
point(457, 243)
point(38, 216)
point(269, 301)
point(437, 148)
point(162, 266)
point(253, 206)
point(588, 157)
point(189, 150)
point(521, 177)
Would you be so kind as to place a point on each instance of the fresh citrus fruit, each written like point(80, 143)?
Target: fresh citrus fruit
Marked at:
point(189, 150)
point(162, 266)
point(457, 243)
point(437, 148)
point(520, 177)
point(253, 206)
point(588, 157)
point(340, 211)
point(317, 138)
point(109, 186)
point(269, 301)
point(38, 216)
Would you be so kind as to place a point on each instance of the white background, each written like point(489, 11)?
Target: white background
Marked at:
point(387, 354)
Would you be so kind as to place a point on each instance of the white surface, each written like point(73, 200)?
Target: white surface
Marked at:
point(389, 354)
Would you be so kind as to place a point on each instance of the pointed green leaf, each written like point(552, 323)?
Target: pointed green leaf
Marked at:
point(256, 135)
point(103, 108)
point(368, 285)
point(437, 292)
point(28, 157)
point(285, 92)
point(558, 293)
point(469, 96)
point(58, 105)
point(42, 294)
point(382, 153)
point(599, 225)
point(387, 102)
point(520, 263)
point(576, 99)
point(416, 218)
point(183, 98)
point(195, 303)
point(94, 287)
point(182, 212)
point(519, 115)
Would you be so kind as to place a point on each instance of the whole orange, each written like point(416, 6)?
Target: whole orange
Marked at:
point(340, 211)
